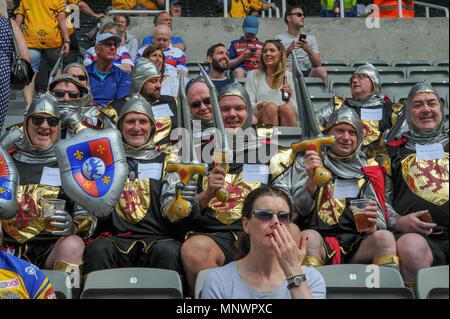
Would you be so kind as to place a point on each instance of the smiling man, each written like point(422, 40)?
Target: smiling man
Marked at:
point(218, 60)
point(417, 206)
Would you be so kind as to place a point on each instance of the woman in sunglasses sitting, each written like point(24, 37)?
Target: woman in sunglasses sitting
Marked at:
point(271, 266)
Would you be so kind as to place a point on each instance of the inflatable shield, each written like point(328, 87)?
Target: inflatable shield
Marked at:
point(93, 169)
point(9, 179)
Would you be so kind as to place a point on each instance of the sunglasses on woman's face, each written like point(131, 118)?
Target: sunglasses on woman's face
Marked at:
point(38, 120)
point(196, 104)
point(80, 77)
point(61, 93)
point(266, 215)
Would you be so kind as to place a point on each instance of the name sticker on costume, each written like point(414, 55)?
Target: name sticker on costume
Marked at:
point(150, 170)
point(50, 176)
point(429, 151)
point(255, 173)
point(162, 110)
point(371, 114)
point(345, 188)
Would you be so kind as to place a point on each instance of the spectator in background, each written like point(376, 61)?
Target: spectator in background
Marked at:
point(245, 52)
point(169, 84)
point(165, 18)
point(217, 57)
point(306, 51)
point(11, 9)
point(7, 31)
point(107, 81)
point(273, 258)
point(330, 8)
point(174, 57)
point(132, 4)
point(123, 58)
point(128, 40)
point(265, 87)
point(45, 32)
point(243, 8)
point(389, 8)
point(175, 8)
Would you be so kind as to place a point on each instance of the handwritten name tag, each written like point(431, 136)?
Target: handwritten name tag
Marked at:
point(50, 176)
point(150, 170)
point(429, 151)
point(345, 188)
point(255, 173)
point(162, 110)
point(371, 114)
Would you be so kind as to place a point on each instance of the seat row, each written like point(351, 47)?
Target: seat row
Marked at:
point(347, 281)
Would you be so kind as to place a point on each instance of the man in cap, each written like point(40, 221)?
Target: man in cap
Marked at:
point(136, 234)
point(213, 226)
point(325, 213)
point(175, 8)
point(244, 53)
point(417, 200)
point(107, 82)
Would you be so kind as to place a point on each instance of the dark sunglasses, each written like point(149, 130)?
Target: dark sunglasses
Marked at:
point(80, 77)
point(38, 120)
point(197, 104)
point(298, 14)
point(267, 215)
point(61, 93)
point(109, 44)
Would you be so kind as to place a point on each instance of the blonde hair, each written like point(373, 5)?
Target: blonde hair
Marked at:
point(280, 70)
point(3, 9)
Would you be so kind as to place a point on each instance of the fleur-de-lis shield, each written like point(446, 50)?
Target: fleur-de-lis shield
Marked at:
point(8, 186)
point(93, 169)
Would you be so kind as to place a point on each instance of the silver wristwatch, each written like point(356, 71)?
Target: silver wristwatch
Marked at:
point(298, 280)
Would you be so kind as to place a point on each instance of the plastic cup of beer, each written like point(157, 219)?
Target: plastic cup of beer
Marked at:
point(50, 206)
point(361, 220)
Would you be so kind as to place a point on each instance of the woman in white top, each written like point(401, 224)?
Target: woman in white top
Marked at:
point(265, 86)
point(272, 266)
point(170, 84)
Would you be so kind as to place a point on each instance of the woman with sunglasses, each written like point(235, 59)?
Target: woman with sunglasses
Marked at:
point(25, 235)
point(272, 265)
point(170, 84)
point(268, 85)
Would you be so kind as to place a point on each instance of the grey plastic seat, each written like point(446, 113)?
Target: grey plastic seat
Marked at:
point(315, 85)
point(357, 281)
point(341, 89)
point(199, 281)
point(407, 63)
point(132, 283)
point(441, 63)
point(398, 88)
point(389, 73)
point(374, 62)
point(432, 283)
point(426, 73)
point(321, 100)
point(61, 283)
point(441, 87)
point(329, 62)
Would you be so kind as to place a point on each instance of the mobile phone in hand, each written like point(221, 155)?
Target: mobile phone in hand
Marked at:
point(302, 37)
point(252, 50)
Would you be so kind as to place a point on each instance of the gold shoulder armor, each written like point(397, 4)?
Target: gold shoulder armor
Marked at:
point(280, 161)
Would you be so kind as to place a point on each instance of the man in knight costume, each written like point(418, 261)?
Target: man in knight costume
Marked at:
point(135, 234)
point(214, 224)
point(417, 200)
point(324, 212)
point(376, 112)
point(34, 156)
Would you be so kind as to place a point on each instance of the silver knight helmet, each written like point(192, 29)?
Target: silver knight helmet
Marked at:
point(143, 71)
point(372, 72)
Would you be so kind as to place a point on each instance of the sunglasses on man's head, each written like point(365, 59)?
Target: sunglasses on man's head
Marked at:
point(61, 93)
point(197, 104)
point(267, 215)
point(298, 14)
point(38, 120)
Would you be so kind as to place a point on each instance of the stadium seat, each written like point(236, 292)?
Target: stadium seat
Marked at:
point(326, 63)
point(357, 281)
point(201, 276)
point(398, 89)
point(441, 63)
point(339, 73)
point(315, 85)
point(426, 73)
point(321, 100)
point(407, 63)
point(341, 89)
point(389, 73)
point(432, 283)
point(441, 87)
point(61, 283)
point(374, 62)
point(132, 283)
point(241, 80)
